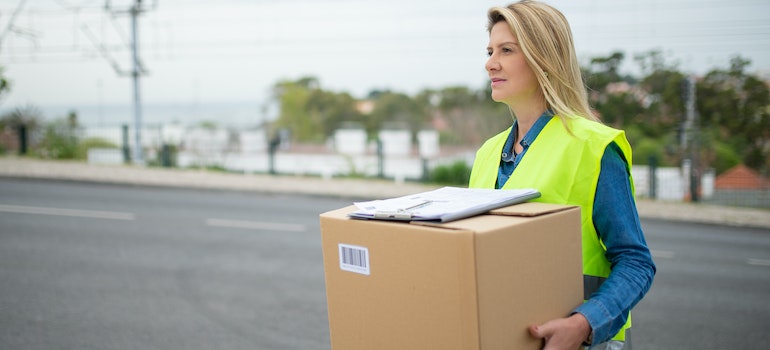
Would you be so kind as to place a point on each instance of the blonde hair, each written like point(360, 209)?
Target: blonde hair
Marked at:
point(545, 39)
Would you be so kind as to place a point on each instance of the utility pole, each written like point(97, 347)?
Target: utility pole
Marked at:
point(136, 72)
point(690, 139)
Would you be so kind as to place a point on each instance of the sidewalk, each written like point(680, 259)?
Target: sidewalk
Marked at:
point(355, 189)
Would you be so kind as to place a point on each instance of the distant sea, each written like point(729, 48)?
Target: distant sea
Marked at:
point(234, 114)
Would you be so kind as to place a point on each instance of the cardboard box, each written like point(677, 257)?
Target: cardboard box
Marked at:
point(476, 283)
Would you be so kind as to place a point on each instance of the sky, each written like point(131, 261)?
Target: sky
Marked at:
point(77, 52)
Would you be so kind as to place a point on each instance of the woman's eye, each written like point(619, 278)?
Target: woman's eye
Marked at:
point(489, 53)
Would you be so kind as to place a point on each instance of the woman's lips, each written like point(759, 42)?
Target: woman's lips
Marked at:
point(497, 81)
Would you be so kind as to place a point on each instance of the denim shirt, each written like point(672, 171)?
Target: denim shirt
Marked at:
point(617, 223)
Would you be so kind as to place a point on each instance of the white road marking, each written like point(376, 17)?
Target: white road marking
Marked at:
point(665, 254)
point(255, 225)
point(92, 214)
point(758, 262)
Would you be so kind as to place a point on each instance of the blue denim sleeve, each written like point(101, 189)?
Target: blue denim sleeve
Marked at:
point(617, 222)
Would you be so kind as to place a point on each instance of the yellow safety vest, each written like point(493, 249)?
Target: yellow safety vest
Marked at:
point(564, 166)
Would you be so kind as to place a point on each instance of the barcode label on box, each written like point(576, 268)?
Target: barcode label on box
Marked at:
point(354, 258)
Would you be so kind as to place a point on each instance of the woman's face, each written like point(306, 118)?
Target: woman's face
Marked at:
point(513, 81)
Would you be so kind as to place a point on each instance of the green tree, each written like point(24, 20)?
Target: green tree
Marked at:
point(721, 156)
point(662, 95)
point(396, 109)
point(735, 105)
point(312, 114)
point(662, 114)
point(331, 110)
point(603, 71)
point(612, 95)
point(292, 97)
point(649, 109)
point(654, 60)
point(5, 85)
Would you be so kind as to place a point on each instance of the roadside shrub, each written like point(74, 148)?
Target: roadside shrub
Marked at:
point(455, 174)
point(59, 141)
point(726, 158)
point(648, 148)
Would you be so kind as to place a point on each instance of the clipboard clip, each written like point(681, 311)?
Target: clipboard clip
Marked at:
point(393, 215)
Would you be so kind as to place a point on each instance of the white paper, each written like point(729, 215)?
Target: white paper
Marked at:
point(444, 204)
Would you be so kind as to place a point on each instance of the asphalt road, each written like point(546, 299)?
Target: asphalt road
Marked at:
point(711, 290)
point(88, 266)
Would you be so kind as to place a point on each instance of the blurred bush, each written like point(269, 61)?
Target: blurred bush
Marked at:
point(455, 174)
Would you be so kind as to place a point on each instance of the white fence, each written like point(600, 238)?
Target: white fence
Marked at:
point(671, 184)
point(347, 153)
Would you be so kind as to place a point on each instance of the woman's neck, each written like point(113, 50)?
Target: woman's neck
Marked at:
point(525, 120)
point(527, 110)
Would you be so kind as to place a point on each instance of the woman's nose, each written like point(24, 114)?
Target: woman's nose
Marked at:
point(491, 64)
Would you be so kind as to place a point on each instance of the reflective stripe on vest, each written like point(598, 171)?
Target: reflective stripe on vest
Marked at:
point(564, 166)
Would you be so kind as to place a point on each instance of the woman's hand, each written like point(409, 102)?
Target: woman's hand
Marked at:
point(563, 333)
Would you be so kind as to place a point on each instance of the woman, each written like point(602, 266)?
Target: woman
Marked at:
point(557, 146)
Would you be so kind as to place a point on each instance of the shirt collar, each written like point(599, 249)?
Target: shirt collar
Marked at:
point(528, 138)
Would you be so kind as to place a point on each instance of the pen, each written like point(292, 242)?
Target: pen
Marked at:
point(416, 206)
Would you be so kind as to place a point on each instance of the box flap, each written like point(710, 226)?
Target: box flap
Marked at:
point(530, 209)
point(340, 213)
point(478, 223)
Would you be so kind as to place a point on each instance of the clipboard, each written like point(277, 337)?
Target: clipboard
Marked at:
point(442, 205)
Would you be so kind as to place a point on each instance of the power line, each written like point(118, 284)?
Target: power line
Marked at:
point(10, 27)
point(253, 35)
